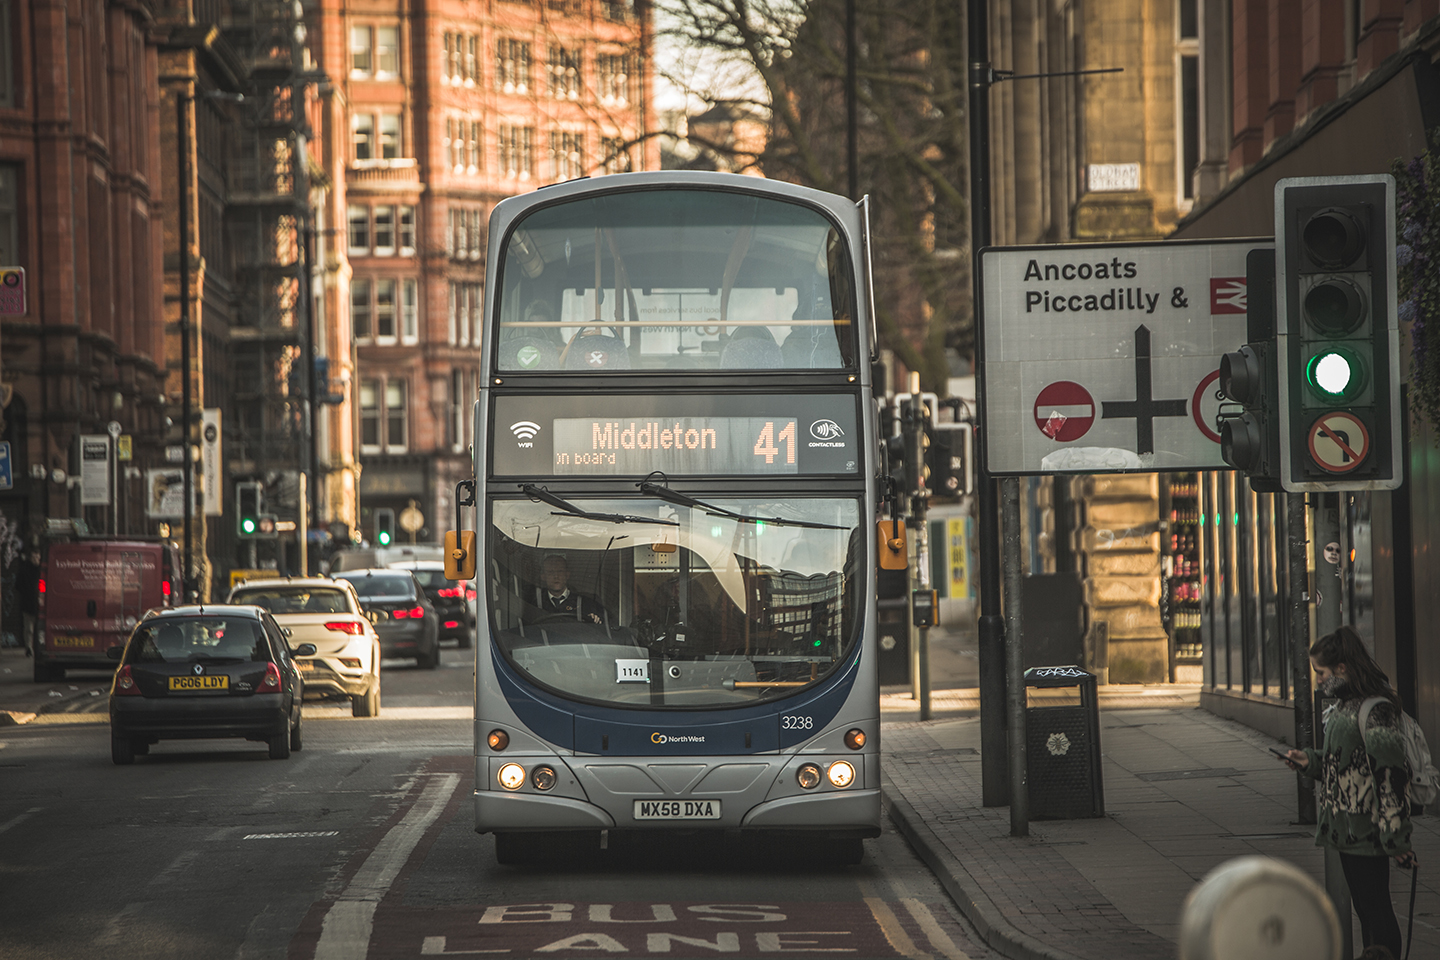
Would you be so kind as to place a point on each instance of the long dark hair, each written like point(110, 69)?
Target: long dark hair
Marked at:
point(1363, 676)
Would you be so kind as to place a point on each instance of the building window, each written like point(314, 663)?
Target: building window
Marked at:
point(407, 231)
point(472, 60)
point(409, 311)
point(361, 55)
point(615, 155)
point(512, 66)
point(385, 231)
point(369, 416)
point(387, 52)
point(617, 9)
point(390, 136)
point(564, 71)
point(516, 146)
point(362, 131)
point(457, 410)
point(567, 155)
point(385, 311)
point(395, 440)
point(474, 148)
point(360, 309)
point(9, 213)
point(613, 77)
point(1187, 53)
point(359, 230)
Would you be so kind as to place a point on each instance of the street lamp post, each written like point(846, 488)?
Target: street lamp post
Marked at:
point(183, 100)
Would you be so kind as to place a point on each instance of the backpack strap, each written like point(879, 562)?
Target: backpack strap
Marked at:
point(1370, 703)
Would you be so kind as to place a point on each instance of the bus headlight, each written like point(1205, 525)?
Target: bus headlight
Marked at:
point(543, 778)
point(808, 776)
point(841, 773)
point(511, 776)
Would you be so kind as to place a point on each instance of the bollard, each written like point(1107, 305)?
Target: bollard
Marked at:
point(1258, 908)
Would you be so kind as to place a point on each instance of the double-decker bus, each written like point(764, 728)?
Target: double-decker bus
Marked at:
point(675, 501)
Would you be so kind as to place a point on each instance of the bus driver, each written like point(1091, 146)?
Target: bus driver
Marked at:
point(556, 597)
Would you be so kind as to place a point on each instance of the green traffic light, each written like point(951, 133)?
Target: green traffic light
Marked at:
point(248, 525)
point(384, 538)
point(1335, 374)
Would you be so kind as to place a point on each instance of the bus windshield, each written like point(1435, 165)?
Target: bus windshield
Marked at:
point(656, 604)
point(680, 280)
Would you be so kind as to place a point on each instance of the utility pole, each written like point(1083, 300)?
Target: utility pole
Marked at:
point(913, 428)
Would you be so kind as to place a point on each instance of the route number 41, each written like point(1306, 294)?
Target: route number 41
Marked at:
point(765, 444)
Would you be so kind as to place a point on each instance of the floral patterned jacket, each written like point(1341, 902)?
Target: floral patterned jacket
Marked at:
point(1361, 805)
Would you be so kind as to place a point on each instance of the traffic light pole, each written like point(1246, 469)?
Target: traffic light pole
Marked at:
point(914, 428)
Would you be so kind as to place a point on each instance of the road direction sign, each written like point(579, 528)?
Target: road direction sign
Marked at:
point(1104, 358)
point(1339, 442)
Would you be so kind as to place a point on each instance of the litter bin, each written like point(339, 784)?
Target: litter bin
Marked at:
point(1062, 749)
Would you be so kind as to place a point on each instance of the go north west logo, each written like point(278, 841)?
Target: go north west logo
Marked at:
point(658, 737)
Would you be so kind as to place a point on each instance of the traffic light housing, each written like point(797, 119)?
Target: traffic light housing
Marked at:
point(1250, 437)
point(384, 527)
point(1338, 339)
point(249, 502)
point(949, 456)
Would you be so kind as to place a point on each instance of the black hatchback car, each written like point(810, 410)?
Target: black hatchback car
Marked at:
point(405, 619)
point(201, 672)
point(454, 602)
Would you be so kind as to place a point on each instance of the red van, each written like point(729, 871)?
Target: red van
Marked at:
point(92, 593)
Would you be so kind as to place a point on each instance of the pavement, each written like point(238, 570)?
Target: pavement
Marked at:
point(1184, 792)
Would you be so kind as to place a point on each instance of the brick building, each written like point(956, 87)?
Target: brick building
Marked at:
point(81, 211)
point(438, 110)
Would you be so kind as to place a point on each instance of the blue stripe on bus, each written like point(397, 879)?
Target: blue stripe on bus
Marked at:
point(582, 727)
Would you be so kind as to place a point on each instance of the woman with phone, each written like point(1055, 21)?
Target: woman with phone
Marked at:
point(1362, 810)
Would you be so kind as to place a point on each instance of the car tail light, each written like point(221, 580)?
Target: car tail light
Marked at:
point(417, 613)
point(125, 684)
point(451, 624)
point(271, 683)
point(42, 584)
point(165, 589)
point(351, 627)
point(451, 592)
point(469, 592)
point(399, 614)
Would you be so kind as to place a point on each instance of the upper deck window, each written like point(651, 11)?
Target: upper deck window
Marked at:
point(675, 280)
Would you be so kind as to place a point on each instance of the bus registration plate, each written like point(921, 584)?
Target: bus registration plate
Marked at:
point(677, 809)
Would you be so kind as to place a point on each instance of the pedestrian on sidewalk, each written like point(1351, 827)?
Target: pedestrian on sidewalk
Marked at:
point(27, 589)
point(1362, 808)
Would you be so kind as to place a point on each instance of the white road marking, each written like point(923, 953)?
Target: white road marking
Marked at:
point(936, 934)
point(435, 947)
point(350, 919)
point(304, 834)
point(17, 820)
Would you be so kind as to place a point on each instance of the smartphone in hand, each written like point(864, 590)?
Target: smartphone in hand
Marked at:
point(1282, 754)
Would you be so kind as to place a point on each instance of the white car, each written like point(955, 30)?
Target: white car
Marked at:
point(327, 613)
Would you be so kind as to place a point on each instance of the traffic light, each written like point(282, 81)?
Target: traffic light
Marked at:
point(949, 455)
point(1338, 343)
point(1250, 439)
point(249, 501)
point(384, 527)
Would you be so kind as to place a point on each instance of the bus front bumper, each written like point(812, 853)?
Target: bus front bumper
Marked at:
point(852, 813)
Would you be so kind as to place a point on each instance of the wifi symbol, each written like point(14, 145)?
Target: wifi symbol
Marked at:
point(525, 429)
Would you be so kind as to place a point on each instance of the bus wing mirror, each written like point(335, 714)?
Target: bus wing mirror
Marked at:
point(891, 537)
point(460, 543)
point(460, 554)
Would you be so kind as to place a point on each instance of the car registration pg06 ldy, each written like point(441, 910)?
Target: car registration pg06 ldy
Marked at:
point(677, 809)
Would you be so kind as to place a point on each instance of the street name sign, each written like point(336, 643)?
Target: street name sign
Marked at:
point(1105, 358)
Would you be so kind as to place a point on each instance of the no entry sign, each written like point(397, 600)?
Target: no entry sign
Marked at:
point(1105, 358)
point(1064, 411)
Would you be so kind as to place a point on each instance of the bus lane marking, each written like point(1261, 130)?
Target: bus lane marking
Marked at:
point(684, 929)
point(936, 934)
point(349, 922)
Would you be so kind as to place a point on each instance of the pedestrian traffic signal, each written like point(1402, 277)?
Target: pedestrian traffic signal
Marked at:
point(1339, 340)
point(249, 501)
point(1250, 438)
point(384, 527)
point(949, 456)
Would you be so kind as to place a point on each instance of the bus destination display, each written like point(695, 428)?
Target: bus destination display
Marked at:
point(792, 435)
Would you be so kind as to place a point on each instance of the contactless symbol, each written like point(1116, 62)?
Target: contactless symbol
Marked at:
point(1064, 411)
point(1339, 442)
point(826, 430)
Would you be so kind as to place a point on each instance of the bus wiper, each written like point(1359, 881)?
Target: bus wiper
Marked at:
point(545, 496)
point(670, 496)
